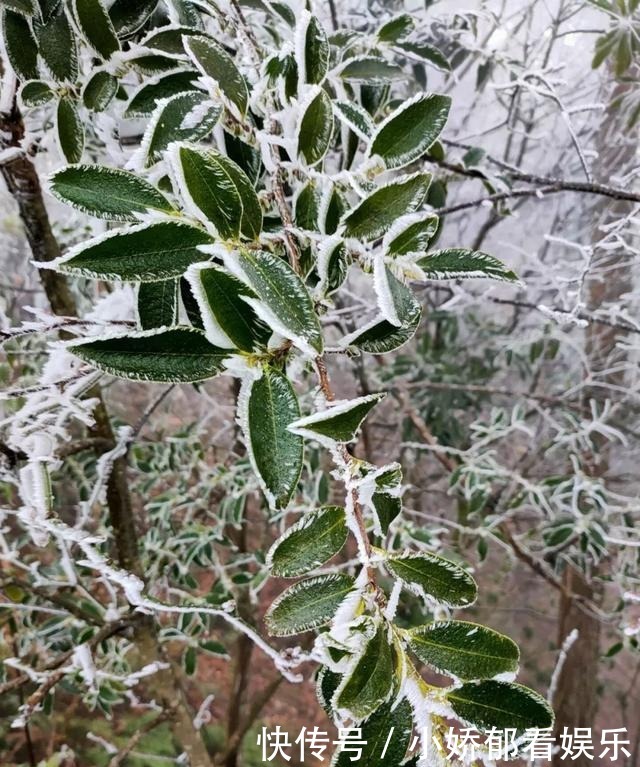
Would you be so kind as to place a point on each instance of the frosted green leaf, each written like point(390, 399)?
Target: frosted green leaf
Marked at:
point(316, 128)
point(57, 47)
point(228, 320)
point(377, 213)
point(308, 604)
point(96, 26)
point(396, 28)
point(355, 117)
point(70, 131)
point(415, 236)
point(428, 54)
point(387, 508)
point(25, 7)
point(371, 70)
point(170, 39)
point(284, 302)
point(178, 355)
point(368, 685)
point(99, 91)
point(213, 61)
point(409, 131)
point(145, 100)
point(220, 189)
point(276, 453)
point(381, 337)
point(456, 263)
point(428, 574)
point(143, 253)
point(340, 422)
point(307, 206)
point(309, 543)
point(35, 93)
point(397, 303)
point(388, 732)
point(169, 118)
point(502, 705)
point(158, 304)
point(315, 51)
point(128, 16)
point(107, 192)
point(21, 48)
point(327, 683)
point(465, 650)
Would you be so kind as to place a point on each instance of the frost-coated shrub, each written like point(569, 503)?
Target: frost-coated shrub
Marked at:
point(278, 161)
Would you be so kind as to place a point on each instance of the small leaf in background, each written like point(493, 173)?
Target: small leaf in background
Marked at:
point(465, 650)
point(189, 660)
point(96, 26)
point(20, 45)
point(427, 54)
point(158, 304)
point(219, 189)
point(57, 46)
point(168, 122)
point(340, 422)
point(107, 192)
point(144, 253)
point(228, 320)
point(313, 50)
point(275, 452)
point(284, 302)
point(99, 91)
point(35, 93)
point(371, 70)
point(502, 705)
point(128, 16)
point(214, 62)
point(179, 355)
point(309, 543)
point(145, 100)
point(455, 263)
point(396, 28)
point(429, 574)
point(413, 234)
point(409, 131)
point(377, 213)
point(369, 683)
point(308, 604)
point(316, 127)
point(355, 117)
point(70, 131)
point(387, 734)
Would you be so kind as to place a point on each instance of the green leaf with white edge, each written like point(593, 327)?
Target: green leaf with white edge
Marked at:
point(437, 577)
point(377, 213)
point(158, 304)
point(459, 263)
point(397, 303)
point(465, 650)
point(307, 206)
point(371, 70)
point(69, 130)
point(396, 28)
point(387, 507)
point(145, 253)
point(502, 705)
point(370, 682)
point(25, 7)
point(169, 39)
point(327, 682)
point(145, 100)
point(20, 45)
point(381, 337)
point(57, 47)
point(355, 117)
point(427, 54)
point(219, 189)
point(275, 452)
point(408, 132)
point(332, 265)
point(128, 16)
point(309, 543)
point(228, 320)
point(178, 355)
point(153, 63)
point(214, 62)
point(316, 127)
point(96, 27)
point(340, 422)
point(308, 604)
point(105, 192)
point(100, 91)
point(168, 120)
point(314, 51)
point(284, 302)
point(387, 734)
point(35, 93)
point(412, 234)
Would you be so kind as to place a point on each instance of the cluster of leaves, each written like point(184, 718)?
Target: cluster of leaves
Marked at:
point(268, 176)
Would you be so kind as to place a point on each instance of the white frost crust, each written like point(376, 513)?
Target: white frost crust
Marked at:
point(213, 331)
